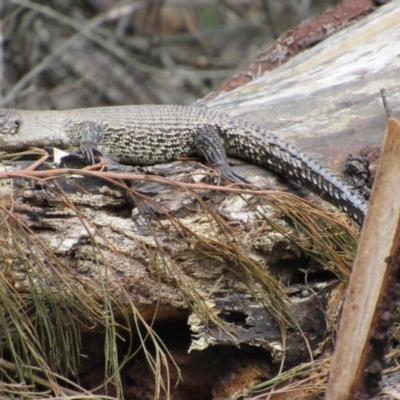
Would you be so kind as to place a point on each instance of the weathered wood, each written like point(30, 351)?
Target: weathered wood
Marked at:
point(372, 298)
point(326, 100)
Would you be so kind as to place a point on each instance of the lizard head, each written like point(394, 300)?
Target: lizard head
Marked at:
point(22, 129)
point(9, 122)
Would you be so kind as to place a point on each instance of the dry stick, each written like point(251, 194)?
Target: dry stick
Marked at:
point(36, 164)
point(116, 179)
point(368, 312)
point(385, 103)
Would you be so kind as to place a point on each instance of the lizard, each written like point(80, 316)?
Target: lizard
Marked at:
point(151, 134)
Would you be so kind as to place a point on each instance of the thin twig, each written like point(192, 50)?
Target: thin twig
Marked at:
point(386, 103)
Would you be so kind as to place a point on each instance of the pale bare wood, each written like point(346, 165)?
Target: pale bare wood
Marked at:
point(326, 100)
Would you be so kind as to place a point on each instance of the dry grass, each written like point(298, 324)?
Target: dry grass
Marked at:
point(61, 303)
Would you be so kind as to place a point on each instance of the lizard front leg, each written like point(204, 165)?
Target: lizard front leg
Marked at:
point(209, 145)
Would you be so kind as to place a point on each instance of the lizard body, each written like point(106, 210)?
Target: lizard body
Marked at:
point(150, 134)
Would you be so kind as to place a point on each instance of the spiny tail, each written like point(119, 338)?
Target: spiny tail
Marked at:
point(255, 144)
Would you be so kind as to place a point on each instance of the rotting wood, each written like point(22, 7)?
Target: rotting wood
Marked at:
point(312, 106)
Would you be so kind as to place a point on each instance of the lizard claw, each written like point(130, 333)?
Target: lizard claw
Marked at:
point(209, 144)
point(89, 152)
point(226, 171)
point(90, 139)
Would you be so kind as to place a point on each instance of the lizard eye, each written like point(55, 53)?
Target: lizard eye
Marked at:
point(17, 122)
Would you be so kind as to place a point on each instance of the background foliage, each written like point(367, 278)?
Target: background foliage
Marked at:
point(67, 54)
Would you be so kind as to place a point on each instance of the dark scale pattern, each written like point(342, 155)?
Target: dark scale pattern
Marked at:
point(156, 134)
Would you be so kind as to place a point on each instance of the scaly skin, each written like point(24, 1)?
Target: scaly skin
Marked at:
point(152, 134)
